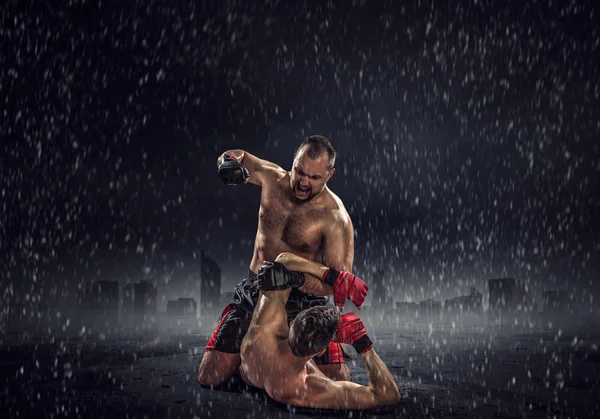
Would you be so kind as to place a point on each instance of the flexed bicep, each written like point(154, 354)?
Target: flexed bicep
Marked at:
point(248, 168)
point(338, 244)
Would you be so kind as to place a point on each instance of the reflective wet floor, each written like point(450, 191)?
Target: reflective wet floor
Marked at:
point(473, 372)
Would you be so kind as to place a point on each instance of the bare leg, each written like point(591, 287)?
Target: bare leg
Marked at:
point(217, 367)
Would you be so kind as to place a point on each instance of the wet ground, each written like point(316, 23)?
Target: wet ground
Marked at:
point(457, 372)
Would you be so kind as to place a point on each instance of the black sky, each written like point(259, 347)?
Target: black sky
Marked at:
point(467, 134)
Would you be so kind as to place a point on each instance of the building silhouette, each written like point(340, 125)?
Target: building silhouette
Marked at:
point(209, 286)
point(430, 307)
point(189, 274)
point(381, 289)
point(180, 272)
point(508, 295)
point(182, 308)
point(127, 301)
point(144, 300)
point(472, 303)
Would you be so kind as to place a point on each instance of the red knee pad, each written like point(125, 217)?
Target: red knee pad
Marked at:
point(213, 337)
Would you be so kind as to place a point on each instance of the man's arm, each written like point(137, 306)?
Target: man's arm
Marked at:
point(270, 313)
point(313, 272)
point(338, 243)
point(341, 284)
point(299, 264)
point(322, 392)
point(257, 167)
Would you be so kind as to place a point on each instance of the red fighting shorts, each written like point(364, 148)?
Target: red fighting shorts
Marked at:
point(235, 319)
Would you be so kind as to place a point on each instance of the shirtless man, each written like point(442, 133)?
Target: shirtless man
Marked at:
point(299, 214)
point(279, 358)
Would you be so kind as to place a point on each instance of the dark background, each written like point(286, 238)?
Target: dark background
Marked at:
point(467, 135)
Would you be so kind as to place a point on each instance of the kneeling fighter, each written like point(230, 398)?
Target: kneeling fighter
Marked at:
point(279, 358)
point(298, 213)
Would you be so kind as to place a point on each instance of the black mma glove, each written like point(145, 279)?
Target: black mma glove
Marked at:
point(231, 172)
point(275, 276)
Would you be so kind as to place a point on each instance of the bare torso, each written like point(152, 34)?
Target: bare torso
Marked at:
point(288, 225)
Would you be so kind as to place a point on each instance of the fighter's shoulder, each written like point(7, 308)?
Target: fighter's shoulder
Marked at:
point(274, 172)
point(272, 175)
point(336, 209)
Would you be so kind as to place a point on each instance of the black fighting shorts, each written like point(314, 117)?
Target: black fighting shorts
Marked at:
point(236, 317)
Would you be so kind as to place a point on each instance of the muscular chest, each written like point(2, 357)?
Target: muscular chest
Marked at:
point(297, 226)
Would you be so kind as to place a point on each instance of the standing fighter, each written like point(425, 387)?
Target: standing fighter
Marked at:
point(279, 358)
point(298, 214)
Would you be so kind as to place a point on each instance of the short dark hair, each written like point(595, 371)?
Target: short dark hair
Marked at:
point(317, 145)
point(313, 329)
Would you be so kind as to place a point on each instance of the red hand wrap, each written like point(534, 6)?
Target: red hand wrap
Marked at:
point(346, 285)
point(352, 331)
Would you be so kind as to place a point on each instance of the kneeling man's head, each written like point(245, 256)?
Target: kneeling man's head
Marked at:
point(312, 330)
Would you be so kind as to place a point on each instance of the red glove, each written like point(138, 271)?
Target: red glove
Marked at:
point(352, 331)
point(345, 285)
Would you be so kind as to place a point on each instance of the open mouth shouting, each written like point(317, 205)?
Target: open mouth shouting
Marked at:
point(301, 191)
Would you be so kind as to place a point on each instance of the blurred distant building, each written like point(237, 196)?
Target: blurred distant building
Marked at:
point(430, 307)
point(189, 274)
point(209, 286)
point(472, 303)
point(127, 301)
point(508, 295)
point(379, 287)
point(182, 308)
point(178, 274)
point(144, 299)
